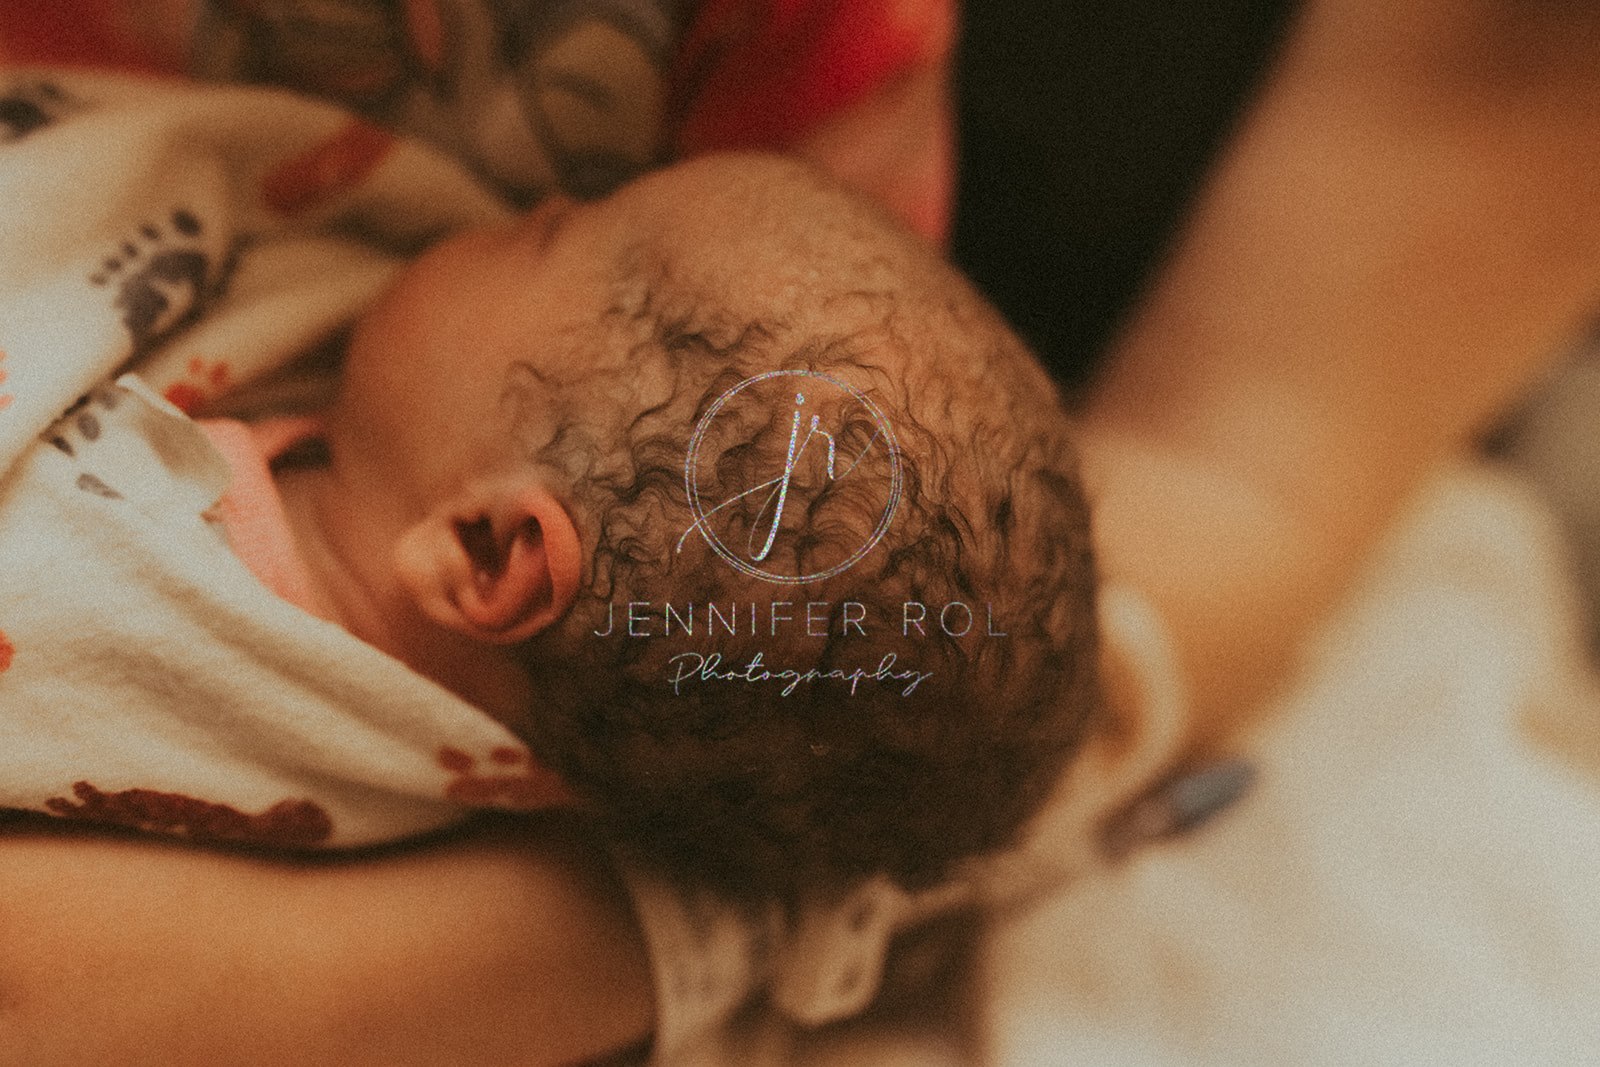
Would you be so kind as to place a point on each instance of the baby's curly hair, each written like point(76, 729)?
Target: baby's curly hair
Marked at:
point(734, 785)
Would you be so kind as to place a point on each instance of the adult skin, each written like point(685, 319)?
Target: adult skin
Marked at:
point(1405, 230)
point(509, 943)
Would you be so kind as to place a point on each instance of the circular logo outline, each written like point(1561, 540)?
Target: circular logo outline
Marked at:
point(691, 467)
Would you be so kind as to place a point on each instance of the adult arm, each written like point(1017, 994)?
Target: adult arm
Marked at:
point(510, 944)
point(1405, 229)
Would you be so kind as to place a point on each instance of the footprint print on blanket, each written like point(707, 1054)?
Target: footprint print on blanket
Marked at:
point(29, 106)
point(511, 780)
point(164, 278)
point(291, 823)
point(205, 379)
point(79, 428)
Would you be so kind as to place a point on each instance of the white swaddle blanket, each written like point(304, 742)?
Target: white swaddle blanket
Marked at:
point(152, 681)
point(198, 237)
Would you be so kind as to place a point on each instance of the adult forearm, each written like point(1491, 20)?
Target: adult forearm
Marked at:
point(1406, 228)
point(503, 947)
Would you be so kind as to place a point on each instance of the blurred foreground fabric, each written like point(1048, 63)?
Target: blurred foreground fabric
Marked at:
point(1414, 879)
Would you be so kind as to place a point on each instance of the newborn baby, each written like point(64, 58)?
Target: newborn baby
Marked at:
point(725, 497)
point(739, 506)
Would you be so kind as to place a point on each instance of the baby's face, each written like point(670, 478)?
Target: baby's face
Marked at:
point(424, 396)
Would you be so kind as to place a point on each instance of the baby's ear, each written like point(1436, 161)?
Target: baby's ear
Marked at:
point(497, 561)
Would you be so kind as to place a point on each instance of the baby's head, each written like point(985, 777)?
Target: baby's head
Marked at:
point(571, 438)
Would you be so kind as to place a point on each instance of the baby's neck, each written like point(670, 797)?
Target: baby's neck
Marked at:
point(316, 516)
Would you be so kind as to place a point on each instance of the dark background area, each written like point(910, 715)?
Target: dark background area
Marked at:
point(1085, 128)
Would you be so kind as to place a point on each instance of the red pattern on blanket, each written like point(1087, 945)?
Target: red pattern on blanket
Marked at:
point(287, 824)
point(519, 783)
